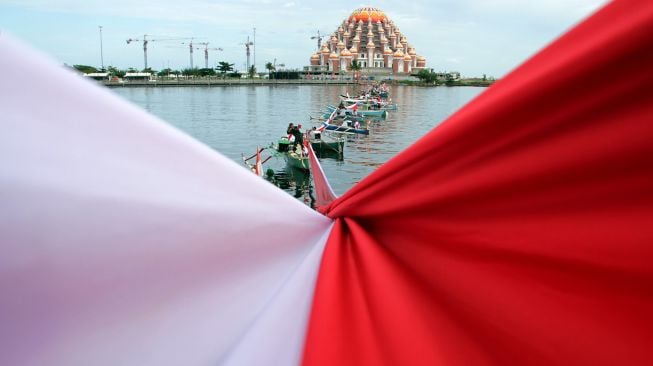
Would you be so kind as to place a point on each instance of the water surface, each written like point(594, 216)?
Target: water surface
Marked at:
point(234, 120)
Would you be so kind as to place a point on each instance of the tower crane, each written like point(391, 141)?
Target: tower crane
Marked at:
point(190, 48)
point(247, 44)
point(145, 41)
point(319, 40)
point(206, 52)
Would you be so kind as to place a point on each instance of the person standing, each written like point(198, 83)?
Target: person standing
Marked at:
point(299, 138)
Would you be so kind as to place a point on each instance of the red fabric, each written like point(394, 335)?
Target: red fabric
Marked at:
point(324, 194)
point(518, 232)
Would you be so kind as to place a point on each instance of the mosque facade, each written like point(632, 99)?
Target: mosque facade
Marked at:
point(373, 40)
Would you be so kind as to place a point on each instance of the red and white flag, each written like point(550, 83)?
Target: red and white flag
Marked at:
point(518, 231)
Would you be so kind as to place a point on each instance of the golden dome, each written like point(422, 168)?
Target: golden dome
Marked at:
point(325, 49)
point(387, 51)
point(411, 51)
point(333, 56)
point(341, 45)
point(345, 53)
point(421, 58)
point(367, 14)
point(347, 34)
point(399, 53)
point(315, 56)
point(407, 58)
point(370, 44)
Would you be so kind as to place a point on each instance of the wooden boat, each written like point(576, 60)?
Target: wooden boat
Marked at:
point(297, 161)
point(366, 113)
point(325, 146)
point(365, 103)
point(347, 129)
point(328, 146)
point(293, 159)
point(257, 167)
point(348, 117)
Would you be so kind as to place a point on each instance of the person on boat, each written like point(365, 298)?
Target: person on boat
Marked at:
point(299, 137)
point(315, 134)
point(341, 110)
point(289, 130)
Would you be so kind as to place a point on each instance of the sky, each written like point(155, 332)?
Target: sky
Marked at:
point(473, 37)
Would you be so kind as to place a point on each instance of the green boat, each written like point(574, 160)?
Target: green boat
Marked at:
point(368, 113)
point(293, 159)
point(296, 161)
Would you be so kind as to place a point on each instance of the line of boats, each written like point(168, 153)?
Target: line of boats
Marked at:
point(353, 115)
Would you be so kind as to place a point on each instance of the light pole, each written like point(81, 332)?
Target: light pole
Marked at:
point(101, 50)
point(254, 44)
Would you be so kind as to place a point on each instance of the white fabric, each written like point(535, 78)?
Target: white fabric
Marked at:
point(125, 242)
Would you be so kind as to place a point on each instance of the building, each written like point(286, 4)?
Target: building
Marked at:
point(373, 40)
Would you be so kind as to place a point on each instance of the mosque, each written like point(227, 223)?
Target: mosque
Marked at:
point(373, 40)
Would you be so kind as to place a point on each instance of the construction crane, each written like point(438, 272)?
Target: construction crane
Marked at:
point(190, 48)
point(319, 40)
point(145, 41)
point(206, 52)
point(247, 44)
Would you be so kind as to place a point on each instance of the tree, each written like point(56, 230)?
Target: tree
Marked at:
point(85, 69)
point(355, 68)
point(270, 67)
point(251, 71)
point(427, 76)
point(206, 72)
point(164, 72)
point(224, 68)
point(114, 71)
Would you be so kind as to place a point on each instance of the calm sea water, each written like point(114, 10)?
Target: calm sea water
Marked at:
point(235, 120)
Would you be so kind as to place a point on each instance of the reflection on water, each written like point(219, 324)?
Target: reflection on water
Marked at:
point(234, 120)
point(294, 181)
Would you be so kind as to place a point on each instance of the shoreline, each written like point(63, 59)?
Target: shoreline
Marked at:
point(238, 82)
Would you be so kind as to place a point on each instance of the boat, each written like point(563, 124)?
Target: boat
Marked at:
point(365, 103)
point(326, 146)
point(346, 128)
point(365, 113)
point(257, 167)
point(297, 161)
point(347, 117)
point(293, 159)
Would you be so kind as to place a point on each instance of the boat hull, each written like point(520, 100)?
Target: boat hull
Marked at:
point(343, 129)
point(296, 161)
point(380, 113)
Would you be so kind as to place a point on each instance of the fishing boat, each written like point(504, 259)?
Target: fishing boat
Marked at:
point(257, 167)
point(326, 146)
point(348, 117)
point(365, 103)
point(293, 159)
point(366, 113)
point(319, 142)
point(349, 130)
point(298, 161)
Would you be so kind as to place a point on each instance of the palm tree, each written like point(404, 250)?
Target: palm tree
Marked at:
point(270, 67)
point(355, 66)
point(224, 68)
point(251, 71)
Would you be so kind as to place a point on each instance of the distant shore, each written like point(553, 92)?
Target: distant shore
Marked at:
point(237, 82)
